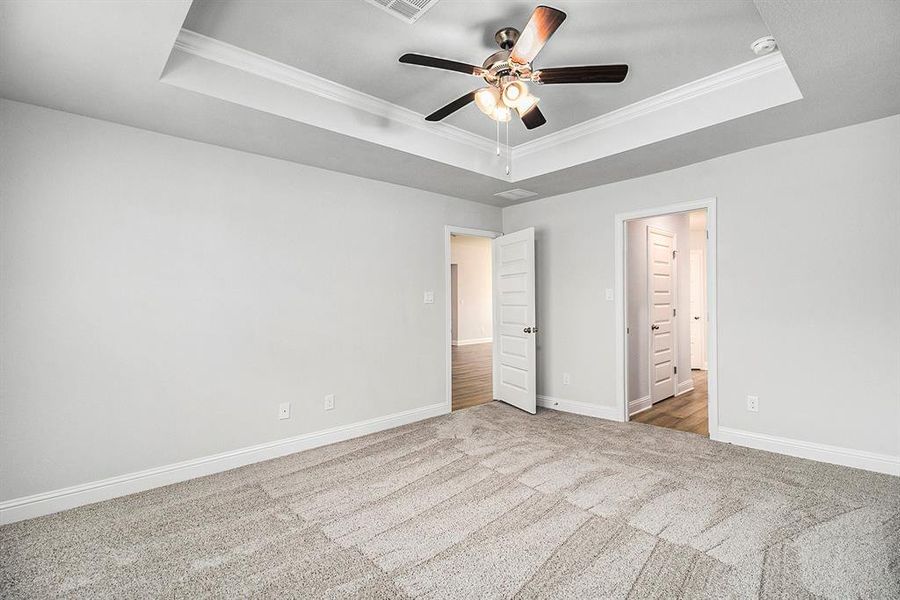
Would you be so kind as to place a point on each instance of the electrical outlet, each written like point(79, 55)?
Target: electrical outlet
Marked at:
point(428, 297)
point(753, 403)
point(284, 410)
point(567, 379)
point(610, 294)
point(329, 402)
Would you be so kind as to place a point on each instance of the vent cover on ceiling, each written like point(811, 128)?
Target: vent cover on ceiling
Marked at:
point(405, 10)
point(516, 194)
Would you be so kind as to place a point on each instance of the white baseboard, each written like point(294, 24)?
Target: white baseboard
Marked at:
point(579, 408)
point(472, 341)
point(859, 459)
point(46, 503)
point(639, 405)
point(684, 387)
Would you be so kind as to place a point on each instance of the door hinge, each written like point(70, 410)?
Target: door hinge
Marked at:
point(628, 330)
point(674, 312)
point(676, 370)
point(707, 234)
point(674, 252)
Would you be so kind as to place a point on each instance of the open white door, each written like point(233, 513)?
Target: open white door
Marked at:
point(514, 325)
point(661, 301)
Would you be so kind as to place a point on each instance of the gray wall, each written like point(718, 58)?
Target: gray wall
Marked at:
point(808, 284)
point(160, 297)
point(636, 309)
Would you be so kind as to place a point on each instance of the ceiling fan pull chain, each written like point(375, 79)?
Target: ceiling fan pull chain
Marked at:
point(498, 137)
point(508, 151)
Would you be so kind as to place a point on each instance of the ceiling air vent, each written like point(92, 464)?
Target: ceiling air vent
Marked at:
point(516, 194)
point(405, 10)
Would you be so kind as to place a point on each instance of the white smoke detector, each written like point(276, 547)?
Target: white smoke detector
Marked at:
point(764, 45)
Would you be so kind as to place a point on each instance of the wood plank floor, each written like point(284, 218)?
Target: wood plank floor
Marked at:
point(472, 375)
point(687, 412)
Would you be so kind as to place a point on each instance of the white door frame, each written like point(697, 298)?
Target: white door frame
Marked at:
point(711, 304)
point(448, 327)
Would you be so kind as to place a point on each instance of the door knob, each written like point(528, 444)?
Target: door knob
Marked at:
point(654, 327)
point(696, 318)
point(527, 330)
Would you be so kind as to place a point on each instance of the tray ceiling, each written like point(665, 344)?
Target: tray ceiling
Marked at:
point(116, 61)
point(355, 44)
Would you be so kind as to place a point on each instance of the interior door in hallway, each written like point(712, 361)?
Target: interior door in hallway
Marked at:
point(698, 310)
point(661, 300)
point(514, 320)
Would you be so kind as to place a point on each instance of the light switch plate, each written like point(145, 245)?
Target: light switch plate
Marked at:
point(284, 410)
point(610, 294)
point(329, 402)
point(429, 297)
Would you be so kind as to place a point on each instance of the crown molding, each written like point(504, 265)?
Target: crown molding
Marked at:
point(209, 66)
point(202, 46)
point(712, 83)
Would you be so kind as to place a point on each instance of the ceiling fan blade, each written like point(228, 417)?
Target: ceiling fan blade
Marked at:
point(452, 107)
point(543, 23)
point(533, 118)
point(441, 63)
point(589, 74)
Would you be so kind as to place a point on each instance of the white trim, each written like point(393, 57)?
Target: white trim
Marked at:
point(639, 405)
point(683, 387)
point(202, 46)
point(753, 86)
point(46, 503)
point(448, 318)
point(579, 408)
point(712, 322)
point(711, 83)
point(473, 341)
point(209, 66)
point(859, 459)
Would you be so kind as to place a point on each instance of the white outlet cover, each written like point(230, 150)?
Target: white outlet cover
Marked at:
point(567, 379)
point(429, 297)
point(284, 410)
point(753, 403)
point(610, 294)
point(329, 402)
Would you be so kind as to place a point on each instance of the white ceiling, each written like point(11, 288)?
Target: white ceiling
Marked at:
point(356, 44)
point(104, 60)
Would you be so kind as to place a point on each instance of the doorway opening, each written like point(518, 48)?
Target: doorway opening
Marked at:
point(668, 300)
point(471, 318)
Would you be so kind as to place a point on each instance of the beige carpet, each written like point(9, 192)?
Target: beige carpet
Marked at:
point(485, 503)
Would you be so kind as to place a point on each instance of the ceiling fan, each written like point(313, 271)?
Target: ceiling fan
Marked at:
point(507, 71)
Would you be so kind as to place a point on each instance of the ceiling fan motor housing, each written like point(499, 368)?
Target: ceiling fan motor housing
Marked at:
point(498, 66)
point(507, 37)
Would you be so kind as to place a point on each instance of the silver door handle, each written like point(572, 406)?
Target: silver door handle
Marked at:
point(530, 330)
point(696, 318)
point(654, 327)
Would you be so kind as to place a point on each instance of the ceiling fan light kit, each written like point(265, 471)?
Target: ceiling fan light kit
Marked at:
point(508, 72)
